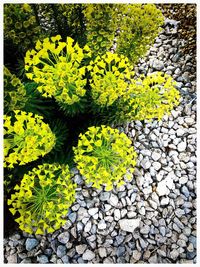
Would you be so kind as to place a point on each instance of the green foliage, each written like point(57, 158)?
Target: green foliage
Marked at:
point(26, 138)
point(20, 25)
point(103, 156)
point(14, 92)
point(109, 76)
point(43, 198)
point(101, 25)
point(148, 97)
point(139, 26)
point(57, 67)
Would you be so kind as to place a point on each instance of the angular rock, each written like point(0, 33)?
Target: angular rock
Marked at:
point(31, 243)
point(129, 225)
point(81, 248)
point(42, 259)
point(64, 238)
point(88, 255)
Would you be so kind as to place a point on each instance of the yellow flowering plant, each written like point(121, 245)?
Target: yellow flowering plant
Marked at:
point(58, 69)
point(42, 199)
point(104, 155)
point(148, 97)
point(109, 78)
point(26, 138)
point(15, 96)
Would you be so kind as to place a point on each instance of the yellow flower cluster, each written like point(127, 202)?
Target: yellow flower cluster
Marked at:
point(43, 198)
point(149, 97)
point(14, 92)
point(109, 75)
point(57, 67)
point(103, 156)
point(26, 139)
point(20, 25)
point(139, 25)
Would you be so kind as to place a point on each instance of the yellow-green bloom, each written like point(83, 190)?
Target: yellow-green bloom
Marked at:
point(109, 76)
point(104, 155)
point(26, 138)
point(57, 67)
point(14, 92)
point(148, 97)
point(43, 198)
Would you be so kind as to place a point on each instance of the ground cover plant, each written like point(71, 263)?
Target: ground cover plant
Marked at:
point(66, 92)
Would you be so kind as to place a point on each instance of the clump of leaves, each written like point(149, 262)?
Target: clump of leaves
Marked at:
point(103, 156)
point(26, 138)
point(43, 198)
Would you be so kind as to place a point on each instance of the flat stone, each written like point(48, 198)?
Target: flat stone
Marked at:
point(64, 238)
point(102, 225)
point(153, 259)
point(65, 259)
point(129, 225)
point(42, 259)
point(31, 243)
point(88, 255)
point(120, 251)
point(81, 248)
point(180, 132)
point(117, 214)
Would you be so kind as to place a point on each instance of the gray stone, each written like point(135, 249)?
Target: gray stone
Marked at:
point(129, 225)
point(26, 260)
point(65, 259)
point(31, 243)
point(164, 201)
point(42, 259)
point(88, 227)
point(145, 163)
point(113, 200)
point(153, 259)
point(157, 64)
point(156, 155)
point(81, 248)
point(102, 252)
point(88, 255)
point(182, 146)
point(64, 238)
point(156, 165)
point(93, 211)
point(72, 217)
point(102, 225)
point(117, 214)
point(145, 229)
point(136, 255)
point(162, 230)
point(174, 254)
point(180, 132)
point(185, 191)
point(162, 188)
point(12, 258)
point(61, 251)
point(120, 251)
point(104, 196)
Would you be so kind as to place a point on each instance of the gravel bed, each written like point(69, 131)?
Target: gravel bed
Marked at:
point(152, 218)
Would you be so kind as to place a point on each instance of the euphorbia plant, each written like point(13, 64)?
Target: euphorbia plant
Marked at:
point(104, 155)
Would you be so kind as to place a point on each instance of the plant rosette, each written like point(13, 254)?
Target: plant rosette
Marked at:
point(148, 97)
point(43, 198)
point(58, 69)
point(26, 138)
point(110, 74)
point(104, 155)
